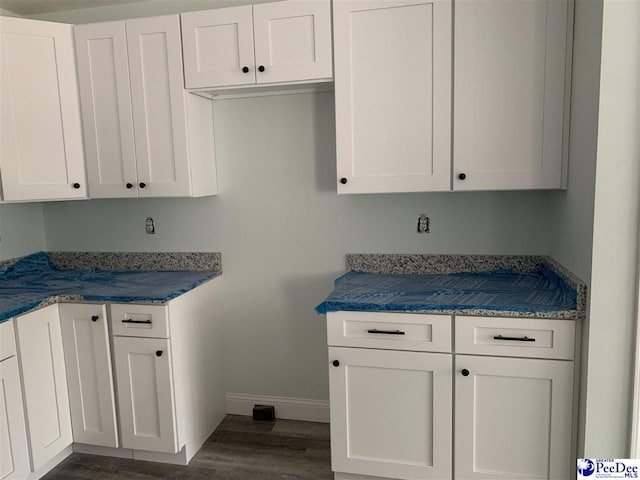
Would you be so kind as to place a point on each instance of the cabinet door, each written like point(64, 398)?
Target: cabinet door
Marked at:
point(218, 45)
point(88, 363)
point(159, 115)
point(103, 75)
point(509, 93)
point(145, 394)
point(293, 40)
point(513, 418)
point(45, 384)
point(393, 95)
point(14, 453)
point(41, 154)
point(390, 413)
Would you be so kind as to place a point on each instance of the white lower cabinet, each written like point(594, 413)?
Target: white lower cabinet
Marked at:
point(146, 394)
point(89, 375)
point(392, 409)
point(390, 413)
point(513, 418)
point(44, 380)
point(14, 450)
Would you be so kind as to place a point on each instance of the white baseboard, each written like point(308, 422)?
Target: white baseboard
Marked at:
point(287, 408)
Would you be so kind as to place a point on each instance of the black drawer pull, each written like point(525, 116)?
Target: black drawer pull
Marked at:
point(515, 339)
point(148, 322)
point(386, 332)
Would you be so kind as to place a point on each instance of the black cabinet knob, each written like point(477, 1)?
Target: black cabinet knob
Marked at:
point(76, 185)
point(245, 69)
point(142, 184)
point(343, 181)
point(462, 176)
point(94, 318)
point(261, 68)
point(158, 353)
point(465, 372)
point(129, 185)
point(336, 363)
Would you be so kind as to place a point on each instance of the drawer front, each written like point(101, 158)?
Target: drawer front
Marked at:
point(149, 321)
point(515, 337)
point(7, 340)
point(391, 331)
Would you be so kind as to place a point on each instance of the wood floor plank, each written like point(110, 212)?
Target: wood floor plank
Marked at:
point(239, 449)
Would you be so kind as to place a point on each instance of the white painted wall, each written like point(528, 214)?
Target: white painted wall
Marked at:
point(615, 237)
point(21, 230)
point(571, 211)
point(283, 233)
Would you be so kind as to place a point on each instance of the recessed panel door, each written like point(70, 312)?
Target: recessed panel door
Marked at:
point(390, 413)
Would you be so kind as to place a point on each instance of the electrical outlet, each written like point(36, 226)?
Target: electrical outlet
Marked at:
point(423, 223)
point(149, 227)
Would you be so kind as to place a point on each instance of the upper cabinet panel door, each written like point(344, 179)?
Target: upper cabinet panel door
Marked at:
point(159, 112)
point(509, 93)
point(41, 154)
point(218, 47)
point(292, 40)
point(393, 95)
point(103, 74)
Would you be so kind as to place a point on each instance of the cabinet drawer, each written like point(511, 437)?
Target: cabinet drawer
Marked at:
point(515, 337)
point(7, 340)
point(130, 320)
point(392, 331)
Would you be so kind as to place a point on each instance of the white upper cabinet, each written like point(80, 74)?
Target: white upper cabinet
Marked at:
point(393, 95)
point(41, 154)
point(281, 42)
point(509, 93)
point(145, 135)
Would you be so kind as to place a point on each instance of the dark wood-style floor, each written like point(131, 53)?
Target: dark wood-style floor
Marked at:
point(239, 449)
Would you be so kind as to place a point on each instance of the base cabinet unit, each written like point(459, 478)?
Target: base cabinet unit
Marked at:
point(41, 154)
point(144, 135)
point(14, 449)
point(146, 394)
point(277, 42)
point(390, 413)
point(44, 380)
point(393, 412)
point(89, 374)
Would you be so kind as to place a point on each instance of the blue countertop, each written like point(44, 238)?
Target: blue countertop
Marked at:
point(541, 293)
point(34, 280)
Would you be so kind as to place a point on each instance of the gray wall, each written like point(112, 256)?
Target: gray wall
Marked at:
point(21, 230)
point(283, 233)
point(615, 241)
point(571, 211)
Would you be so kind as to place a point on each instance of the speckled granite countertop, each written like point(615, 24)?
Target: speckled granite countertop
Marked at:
point(483, 285)
point(40, 279)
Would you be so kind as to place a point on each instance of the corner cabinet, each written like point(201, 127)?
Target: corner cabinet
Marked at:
point(397, 389)
point(145, 136)
point(41, 153)
point(393, 95)
point(510, 109)
point(268, 43)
